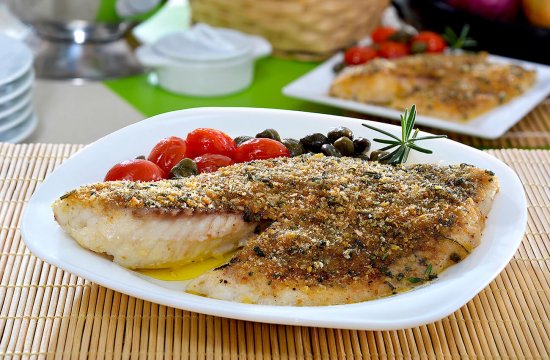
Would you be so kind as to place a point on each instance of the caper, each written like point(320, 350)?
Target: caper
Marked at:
point(294, 147)
point(314, 142)
point(339, 67)
point(377, 154)
point(364, 157)
point(269, 134)
point(344, 145)
point(361, 145)
point(240, 139)
point(183, 169)
point(400, 36)
point(330, 150)
point(339, 132)
point(419, 47)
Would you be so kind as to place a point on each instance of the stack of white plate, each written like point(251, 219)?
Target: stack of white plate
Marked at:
point(17, 117)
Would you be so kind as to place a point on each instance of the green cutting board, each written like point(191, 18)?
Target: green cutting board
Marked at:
point(270, 77)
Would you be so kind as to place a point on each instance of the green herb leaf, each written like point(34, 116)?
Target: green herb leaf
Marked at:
point(428, 271)
point(459, 42)
point(406, 143)
point(414, 280)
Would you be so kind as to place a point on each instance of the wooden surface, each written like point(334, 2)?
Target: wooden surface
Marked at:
point(48, 313)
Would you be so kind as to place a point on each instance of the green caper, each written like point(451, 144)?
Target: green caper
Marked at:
point(344, 145)
point(269, 134)
point(294, 147)
point(364, 157)
point(400, 36)
point(419, 47)
point(377, 154)
point(240, 139)
point(330, 150)
point(339, 132)
point(314, 142)
point(362, 145)
point(141, 157)
point(339, 67)
point(183, 169)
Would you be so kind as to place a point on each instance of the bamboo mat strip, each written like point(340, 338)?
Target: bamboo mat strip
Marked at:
point(48, 313)
point(532, 132)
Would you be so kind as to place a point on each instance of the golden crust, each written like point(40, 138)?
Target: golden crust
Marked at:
point(335, 221)
point(456, 87)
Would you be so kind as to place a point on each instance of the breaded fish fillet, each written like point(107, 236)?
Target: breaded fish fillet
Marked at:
point(456, 87)
point(331, 230)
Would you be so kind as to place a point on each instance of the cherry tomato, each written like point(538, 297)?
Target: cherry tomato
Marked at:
point(359, 55)
point(168, 152)
point(260, 149)
point(434, 42)
point(381, 34)
point(212, 162)
point(135, 170)
point(209, 141)
point(392, 50)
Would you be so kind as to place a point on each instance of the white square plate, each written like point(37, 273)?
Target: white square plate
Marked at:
point(314, 86)
point(456, 286)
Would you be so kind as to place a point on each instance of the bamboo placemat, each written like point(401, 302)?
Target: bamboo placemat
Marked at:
point(532, 132)
point(46, 312)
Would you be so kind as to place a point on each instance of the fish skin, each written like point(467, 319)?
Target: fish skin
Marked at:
point(342, 230)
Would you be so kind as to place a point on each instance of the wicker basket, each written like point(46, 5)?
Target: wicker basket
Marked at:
point(304, 29)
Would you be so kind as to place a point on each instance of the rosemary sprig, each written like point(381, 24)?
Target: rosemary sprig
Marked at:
point(406, 143)
point(459, 42)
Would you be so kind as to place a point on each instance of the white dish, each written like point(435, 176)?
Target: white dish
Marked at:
point(21, 131)
point(314, 86)
point(16, 59)
point(204, 61)
point(15, 84)
point(503, 233)
point(20, 86)
point(7, 107)
point(16, 104)
point(15, 119)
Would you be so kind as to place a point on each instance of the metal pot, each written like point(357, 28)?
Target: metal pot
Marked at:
point(83, 38)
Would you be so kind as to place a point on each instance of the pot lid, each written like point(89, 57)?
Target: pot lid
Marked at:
point(203, 43)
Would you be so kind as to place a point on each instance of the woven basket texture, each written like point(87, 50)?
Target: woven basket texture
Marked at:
point(303, 29)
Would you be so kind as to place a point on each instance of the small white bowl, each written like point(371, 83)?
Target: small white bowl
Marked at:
point(204, 61)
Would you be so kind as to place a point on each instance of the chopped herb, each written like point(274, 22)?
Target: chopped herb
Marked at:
point(259, 251)
point(414, 280)
point(428, 271)
point(406, 143)
point(455, 257)
point(67, 194)
point(399, 276)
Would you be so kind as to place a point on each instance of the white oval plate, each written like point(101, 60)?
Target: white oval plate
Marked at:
point(314, 86)
point(455, 287)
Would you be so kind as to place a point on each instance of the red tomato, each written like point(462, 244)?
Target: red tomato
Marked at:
point(359, 55)
point(260, 149)
point(136, 170)
point(392, 50)
point(209, 141)
point(381, 34)
point(168, 152)
point(212, 162)
point(434, 42)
